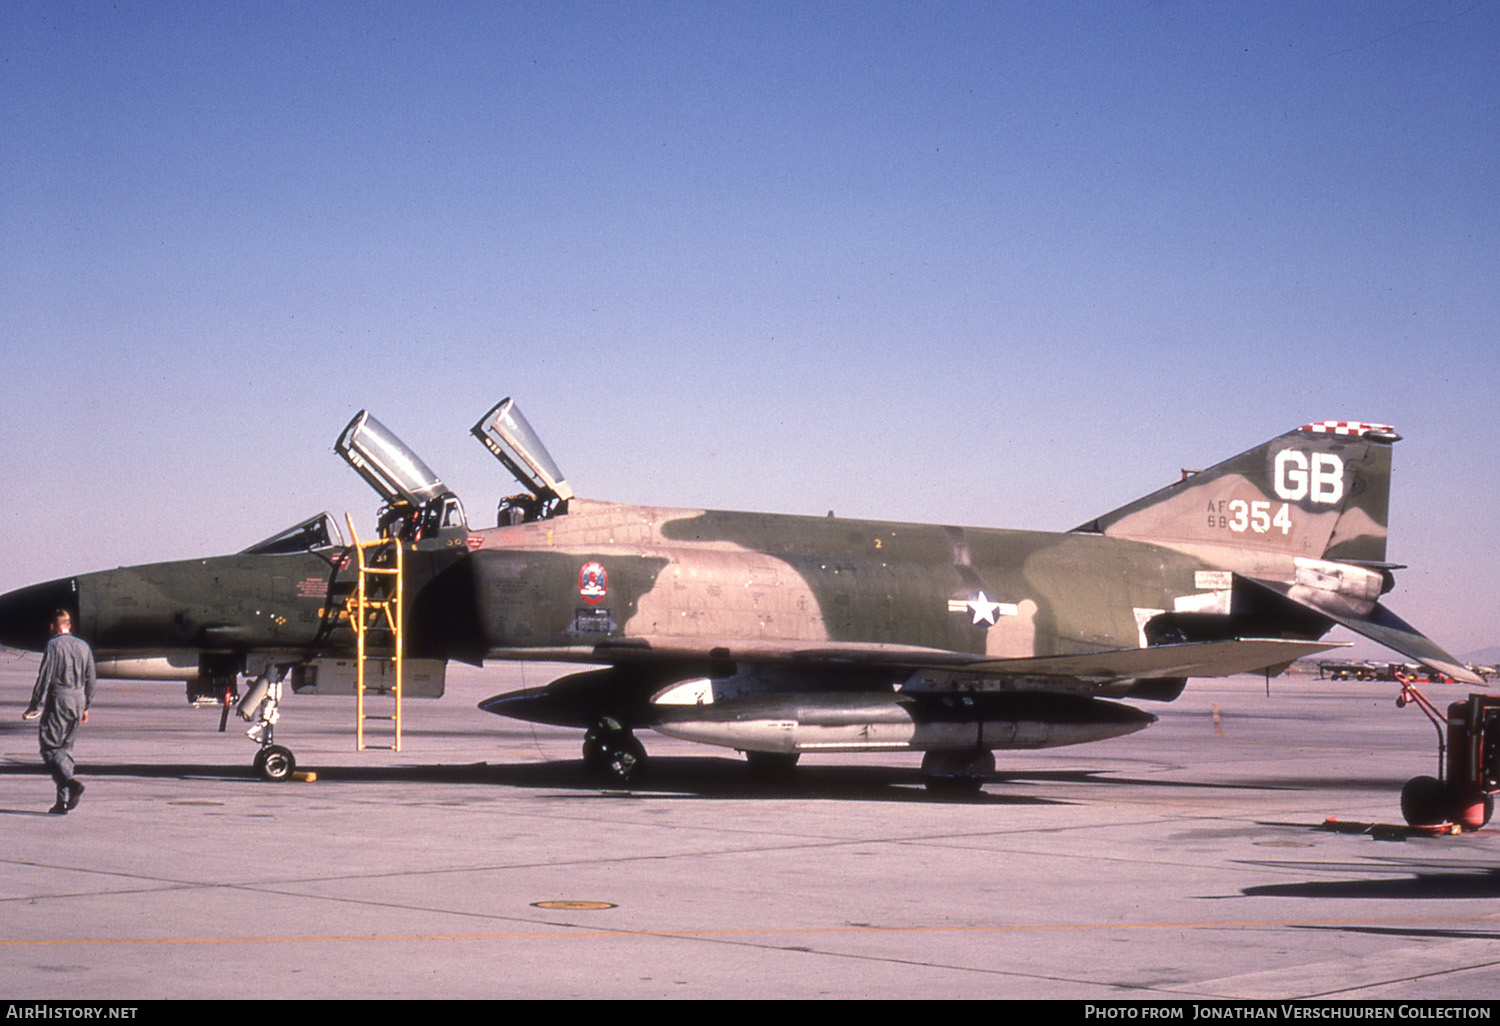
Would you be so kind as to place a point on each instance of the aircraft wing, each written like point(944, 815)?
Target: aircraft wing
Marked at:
point(1192, 659)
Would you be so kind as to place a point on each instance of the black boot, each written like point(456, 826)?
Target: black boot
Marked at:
point(61, 806)
point(75, 792)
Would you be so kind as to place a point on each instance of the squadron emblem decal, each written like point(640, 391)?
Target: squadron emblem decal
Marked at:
point(593, 583)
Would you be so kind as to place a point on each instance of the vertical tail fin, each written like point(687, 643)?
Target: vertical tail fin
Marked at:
point(1321, 492)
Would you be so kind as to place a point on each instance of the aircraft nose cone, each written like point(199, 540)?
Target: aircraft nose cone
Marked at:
point(26, 612)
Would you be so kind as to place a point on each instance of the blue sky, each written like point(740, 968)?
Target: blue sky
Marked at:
point(1001, 264)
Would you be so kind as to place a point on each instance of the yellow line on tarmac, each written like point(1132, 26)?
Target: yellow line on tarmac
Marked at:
point(783, 932)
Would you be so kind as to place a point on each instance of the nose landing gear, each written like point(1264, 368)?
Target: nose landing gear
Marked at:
point(275, 763)
point(261, 706)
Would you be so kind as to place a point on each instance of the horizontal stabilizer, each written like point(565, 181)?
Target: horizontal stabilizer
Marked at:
point(1384, 626)
point(1194, 659)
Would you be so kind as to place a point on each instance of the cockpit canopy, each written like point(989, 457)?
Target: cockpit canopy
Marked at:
point(506, 433)
point(319, 532)
point(417, 503)
point(385, 462)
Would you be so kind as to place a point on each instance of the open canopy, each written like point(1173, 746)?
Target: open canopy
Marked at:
point(506, 433)
point(385, 462)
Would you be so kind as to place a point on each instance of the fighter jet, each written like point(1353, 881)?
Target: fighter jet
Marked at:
point(777, 635)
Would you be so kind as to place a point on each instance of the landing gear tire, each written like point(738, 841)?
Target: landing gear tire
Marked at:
point(593, 756)
point(596, 745)
point(950, 772)
point(612, 751)
point(275, 764)
point(1424, 801)
point(625, 759)
point(772, 765)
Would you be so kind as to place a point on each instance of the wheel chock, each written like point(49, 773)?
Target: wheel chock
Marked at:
point(1390, 831)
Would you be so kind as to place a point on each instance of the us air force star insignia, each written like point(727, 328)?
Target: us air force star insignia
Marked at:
point(984, 610)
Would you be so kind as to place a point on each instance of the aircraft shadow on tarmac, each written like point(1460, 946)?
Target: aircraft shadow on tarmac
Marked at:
point(1462, 877)
point(1422, 886)
point(1415, 932)
point(669, 777)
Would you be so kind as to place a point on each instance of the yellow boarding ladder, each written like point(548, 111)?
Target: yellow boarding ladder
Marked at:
point(376, 606)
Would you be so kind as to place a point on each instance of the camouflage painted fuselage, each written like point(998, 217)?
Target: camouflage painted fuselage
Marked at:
point(1307, 510)
point(744, 585)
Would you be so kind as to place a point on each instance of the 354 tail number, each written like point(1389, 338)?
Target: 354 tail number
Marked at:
point(1239, 515)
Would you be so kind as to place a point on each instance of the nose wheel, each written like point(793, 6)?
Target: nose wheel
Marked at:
point(275, 763)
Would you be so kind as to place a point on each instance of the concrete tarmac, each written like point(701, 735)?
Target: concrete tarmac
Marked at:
point(1186, 862)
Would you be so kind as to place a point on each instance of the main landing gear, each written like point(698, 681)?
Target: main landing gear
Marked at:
point(611, 750)
point(218, 684)
point(768, 766)
point(957, 772)
point(1468, 763)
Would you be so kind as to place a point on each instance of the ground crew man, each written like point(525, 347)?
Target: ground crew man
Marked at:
point(64, 690)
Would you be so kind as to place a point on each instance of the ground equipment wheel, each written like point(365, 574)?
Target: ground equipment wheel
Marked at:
point(1424, 801)
point(1475, 812)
